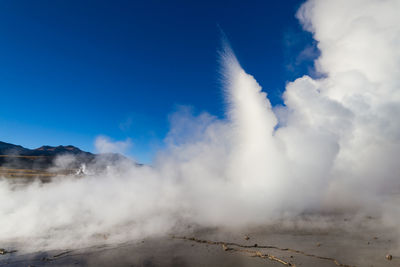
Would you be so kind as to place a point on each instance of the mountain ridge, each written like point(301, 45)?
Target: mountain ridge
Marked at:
point(46, 157)
point(8, 149)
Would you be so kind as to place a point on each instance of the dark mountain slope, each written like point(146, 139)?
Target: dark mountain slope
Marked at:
point(18, 157)
point(10, 149)
point(60, 159)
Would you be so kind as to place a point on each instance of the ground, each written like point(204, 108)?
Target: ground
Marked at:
point(344, 244)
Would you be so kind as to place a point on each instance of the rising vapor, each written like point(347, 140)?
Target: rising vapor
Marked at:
point(334, 146)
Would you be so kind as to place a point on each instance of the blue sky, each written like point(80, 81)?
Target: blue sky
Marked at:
point(73, 70)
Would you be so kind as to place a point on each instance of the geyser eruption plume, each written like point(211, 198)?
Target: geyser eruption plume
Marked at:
point(336, 148)
point(252, 122)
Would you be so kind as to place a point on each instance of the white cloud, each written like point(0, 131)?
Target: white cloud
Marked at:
point(104, 144)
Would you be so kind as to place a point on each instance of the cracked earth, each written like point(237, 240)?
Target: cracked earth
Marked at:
point(342, 245)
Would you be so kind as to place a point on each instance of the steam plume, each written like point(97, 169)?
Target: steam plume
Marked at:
point(336, 148)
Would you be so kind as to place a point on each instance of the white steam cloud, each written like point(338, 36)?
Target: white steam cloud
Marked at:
point(104, 144)
point(336, 148)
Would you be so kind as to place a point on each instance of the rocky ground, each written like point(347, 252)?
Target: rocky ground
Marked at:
point(340, 245)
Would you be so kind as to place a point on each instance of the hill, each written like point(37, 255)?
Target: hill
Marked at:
point(42, 158)
point(47, 151)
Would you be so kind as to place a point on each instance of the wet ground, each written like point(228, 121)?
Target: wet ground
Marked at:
point(262, 246)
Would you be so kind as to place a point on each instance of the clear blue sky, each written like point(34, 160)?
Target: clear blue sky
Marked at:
point(72, 70)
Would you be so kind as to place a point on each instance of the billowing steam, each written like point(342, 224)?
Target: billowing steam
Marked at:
point(334, 146)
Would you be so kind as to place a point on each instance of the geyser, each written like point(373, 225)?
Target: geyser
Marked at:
point(336, 149)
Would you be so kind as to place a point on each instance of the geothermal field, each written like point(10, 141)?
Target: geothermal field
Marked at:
point(312, 182)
